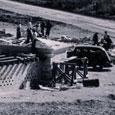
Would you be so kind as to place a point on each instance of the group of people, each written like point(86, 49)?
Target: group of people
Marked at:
point(43, 30)
point(39, 30)
point(106, 41)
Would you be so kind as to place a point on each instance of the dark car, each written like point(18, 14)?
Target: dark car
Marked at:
point(97, 56)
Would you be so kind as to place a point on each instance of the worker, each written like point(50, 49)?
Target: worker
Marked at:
point(48, 28)
point(34, 37)
point(29, 33)
point(107, 41)
point(95, 39)
point(38, 29)
point(18, 31)
point(42, 27)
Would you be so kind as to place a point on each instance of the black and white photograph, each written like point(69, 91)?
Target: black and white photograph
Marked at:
point(57, 57)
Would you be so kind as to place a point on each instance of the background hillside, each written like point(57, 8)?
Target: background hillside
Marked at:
point(98, 8)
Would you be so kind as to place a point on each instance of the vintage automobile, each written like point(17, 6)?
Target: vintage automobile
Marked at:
point(111, 53)
point(97, 56)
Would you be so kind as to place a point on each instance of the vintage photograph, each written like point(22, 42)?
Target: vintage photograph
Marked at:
point(57, 57)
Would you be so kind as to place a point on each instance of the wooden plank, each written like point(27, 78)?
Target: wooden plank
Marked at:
point(66, 76)
point(4, 62)
point(6, 58)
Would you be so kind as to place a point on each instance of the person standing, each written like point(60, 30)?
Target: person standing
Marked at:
point(29, 33)
point(38, 29)
point(34, 35)
point(42, 27)
point(107, 41)
point(48, 28)
point(18, 31)
point(95, 39)
point(105, 35)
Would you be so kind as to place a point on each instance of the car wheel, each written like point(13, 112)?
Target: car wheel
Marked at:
point(94, 67)
point(100, 67)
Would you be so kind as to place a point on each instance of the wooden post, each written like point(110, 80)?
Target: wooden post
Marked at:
point(46, 69)
point(54, 74)
point(85, 71)
point(66, 72)
point(61, 66)
point(73, 74)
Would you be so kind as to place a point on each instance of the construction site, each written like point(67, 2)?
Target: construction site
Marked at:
point(57, 73)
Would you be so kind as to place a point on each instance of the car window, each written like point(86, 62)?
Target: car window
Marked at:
point(77, 50)
point(85, 50)
point(88, 51)
point(98, 51)
point(81, 52)
point(92, 51)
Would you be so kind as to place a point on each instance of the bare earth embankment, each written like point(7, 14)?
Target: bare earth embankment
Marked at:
point(76, 100)
point(84, 23)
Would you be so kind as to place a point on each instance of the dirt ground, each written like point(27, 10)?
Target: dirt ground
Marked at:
point(78, 107)
point(77, 100)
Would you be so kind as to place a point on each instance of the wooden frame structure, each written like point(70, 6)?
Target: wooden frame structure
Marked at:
point(65, 72)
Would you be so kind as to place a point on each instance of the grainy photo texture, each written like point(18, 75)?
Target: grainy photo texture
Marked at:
point(57, 57)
